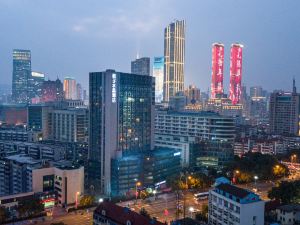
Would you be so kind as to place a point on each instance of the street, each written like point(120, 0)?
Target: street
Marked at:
point(155, 206)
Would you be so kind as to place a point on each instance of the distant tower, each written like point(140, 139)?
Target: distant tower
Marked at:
point(236, 54)
point(158, 73)
point(70, 88)
point(174, 53)
point(141, 66)
point(294, 86)
point(21, 75)
point(217, 70)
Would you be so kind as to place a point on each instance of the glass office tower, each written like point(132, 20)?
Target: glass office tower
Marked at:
point(141, 66)
point(121, 115)
point(21, 75)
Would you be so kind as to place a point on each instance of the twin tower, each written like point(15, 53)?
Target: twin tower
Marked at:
point(217, 89)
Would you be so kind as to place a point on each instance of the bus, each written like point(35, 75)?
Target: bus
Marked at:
point(201, 195)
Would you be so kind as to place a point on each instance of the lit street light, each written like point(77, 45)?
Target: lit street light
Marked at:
point(191, 209)
point(100, 200)
point(136, 190)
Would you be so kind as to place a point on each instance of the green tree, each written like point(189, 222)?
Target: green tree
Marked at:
point(87, 200)
point(144, 212)
point(286, 192)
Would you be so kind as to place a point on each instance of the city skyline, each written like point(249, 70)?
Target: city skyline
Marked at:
point(76, 38)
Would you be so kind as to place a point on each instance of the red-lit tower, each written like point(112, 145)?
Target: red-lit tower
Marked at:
point(235, 87)
point(217, 70)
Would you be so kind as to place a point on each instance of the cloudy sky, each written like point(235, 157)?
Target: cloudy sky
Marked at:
point(72, 37)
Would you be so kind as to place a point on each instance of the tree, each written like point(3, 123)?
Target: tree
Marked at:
point(144, 212)
point(256, 164)
point(286, 192)
point(203, 215)
point(3, 215)
point(87, 200)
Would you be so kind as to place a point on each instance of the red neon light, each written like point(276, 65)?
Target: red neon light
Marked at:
point(217, 70)
point(236, 54)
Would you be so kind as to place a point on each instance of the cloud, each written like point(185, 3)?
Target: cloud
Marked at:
point(139, 21)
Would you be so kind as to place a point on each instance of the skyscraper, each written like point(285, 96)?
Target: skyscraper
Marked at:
point(21, 75)
point(158, 73)
point(285, 113)
point(174, 53)
point(121, 115)
point(70, 88)
point(35, 85)
point(79, 92)
point(235, 73)
point(141, 66)
point(217, 70)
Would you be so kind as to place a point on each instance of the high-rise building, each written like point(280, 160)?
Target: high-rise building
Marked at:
point(141, 66)
point(158, 73)
point(70, 88)
point(69, 125)
point(174, 55)
point(35, 85)
point(124, 103)
point(21, 75)
point(193, 94)
point(52, 91)
point(79, 94)
point(217, 70)
point(256, 91)
point(235, 73)
point(285, 113)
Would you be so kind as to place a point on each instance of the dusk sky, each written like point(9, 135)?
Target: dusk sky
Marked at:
point(73, 38)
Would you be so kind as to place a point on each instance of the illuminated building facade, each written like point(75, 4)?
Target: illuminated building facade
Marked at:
point(235, 73)
point(21, 75)
point(174, 53)
point(217, 70)
point(35, 87)
point(158, 73)
point(52, 91)
point(121, 116)
point(70, 88)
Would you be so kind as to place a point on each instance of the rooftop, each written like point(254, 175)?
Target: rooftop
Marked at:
point(121, 215)
point(290, 207)
point(233, 190)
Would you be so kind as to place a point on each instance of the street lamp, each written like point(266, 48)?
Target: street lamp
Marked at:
point(293, 158)
point(154, 193)
point(76, 199)
point(255, 179)
point(191, 209)
point(100, 200)
point(137, 184)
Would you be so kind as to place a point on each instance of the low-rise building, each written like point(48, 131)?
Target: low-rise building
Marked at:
point(288, 214)
point(21, 174)
point(108, 213)
point(231, 205)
